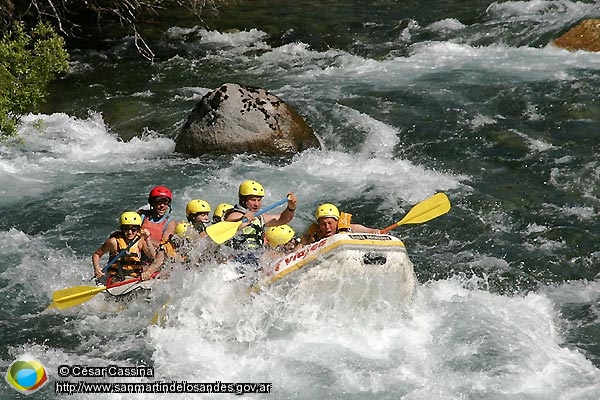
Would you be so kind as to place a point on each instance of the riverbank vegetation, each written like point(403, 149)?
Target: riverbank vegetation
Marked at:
point(33, 35)
point(28, 62)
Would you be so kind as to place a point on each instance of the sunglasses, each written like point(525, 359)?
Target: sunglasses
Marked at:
point(162, 200)
point(126, 228)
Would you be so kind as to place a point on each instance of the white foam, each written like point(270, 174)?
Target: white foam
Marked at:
point(518, 64)
point(249, 38)
point(190, 93)
point(573, 292)
point(446, 25)
point(426, 351)
point(481, 120)
point(536, 145)
point(537, 10)
point(339, 176)
point(50, 149)
point(380, 138)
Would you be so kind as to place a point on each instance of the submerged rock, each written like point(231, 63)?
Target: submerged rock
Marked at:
point(241, 119)
point(583, 36)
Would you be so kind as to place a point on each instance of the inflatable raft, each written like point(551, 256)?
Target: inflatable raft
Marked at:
point(129, 288)
point(376, 254)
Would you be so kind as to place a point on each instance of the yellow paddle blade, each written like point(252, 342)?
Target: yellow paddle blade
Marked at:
point(223, 231)
point(73, 296)
point(428, 209)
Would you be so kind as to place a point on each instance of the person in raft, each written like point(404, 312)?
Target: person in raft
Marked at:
point(329, 222)
point(251, 234)
point(197, 211)
point(281, 239)
point(157, 219)
point(140, 250)
point(220, 211)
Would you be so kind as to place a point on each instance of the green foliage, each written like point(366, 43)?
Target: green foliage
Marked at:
point(28, 63)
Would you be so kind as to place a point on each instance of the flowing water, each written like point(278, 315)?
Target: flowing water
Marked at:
point(409, 99)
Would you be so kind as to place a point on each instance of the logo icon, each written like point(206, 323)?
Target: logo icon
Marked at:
point(26, 374)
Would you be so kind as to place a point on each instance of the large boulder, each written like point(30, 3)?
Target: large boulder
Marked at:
point(242, 119)
point(583, 36)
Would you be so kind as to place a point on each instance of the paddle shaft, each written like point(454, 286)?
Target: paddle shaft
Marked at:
point(135, 280)
point(93, 290)
point(269, 208)
point(389, 228)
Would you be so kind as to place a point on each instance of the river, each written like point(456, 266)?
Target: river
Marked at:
point(409, 99)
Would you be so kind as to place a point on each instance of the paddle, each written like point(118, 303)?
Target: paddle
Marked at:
point(225, 230)
point(74, 296)
point(70, 297)
point(428, 209)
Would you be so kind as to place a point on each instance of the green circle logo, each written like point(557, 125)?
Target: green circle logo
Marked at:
point(26, 374)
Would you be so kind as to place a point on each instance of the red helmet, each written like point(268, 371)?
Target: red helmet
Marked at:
point(160, 191)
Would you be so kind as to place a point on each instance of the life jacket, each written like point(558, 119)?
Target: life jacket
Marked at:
point(251, 237)
point(344, 225)
point(170, 249)
point(130, 264)
point(156, 228)
point(314, 233)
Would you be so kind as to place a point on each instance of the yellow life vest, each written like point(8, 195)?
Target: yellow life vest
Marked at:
point(130, 264)
point(170, 250)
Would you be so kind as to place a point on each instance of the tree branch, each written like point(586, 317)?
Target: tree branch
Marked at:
point(127, 12)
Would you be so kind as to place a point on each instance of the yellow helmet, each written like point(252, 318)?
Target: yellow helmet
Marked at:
point(197, 206)
point(221, 208)
point(130, 218)
point(327, 210)
point(251, 188)
point(181, 229)
point(278, 235)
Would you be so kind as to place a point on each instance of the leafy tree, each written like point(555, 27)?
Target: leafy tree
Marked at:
point(28, 63)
